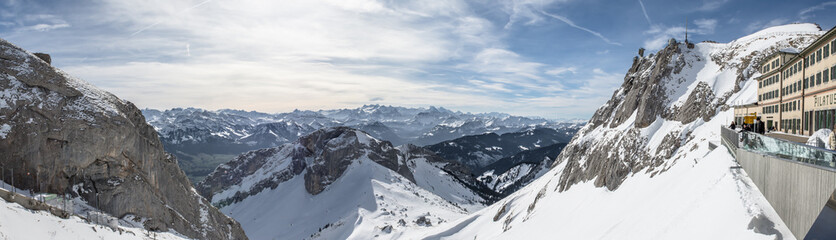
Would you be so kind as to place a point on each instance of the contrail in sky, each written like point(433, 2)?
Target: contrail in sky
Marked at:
point(567, 21)
point(645, 13)
point(158, 22)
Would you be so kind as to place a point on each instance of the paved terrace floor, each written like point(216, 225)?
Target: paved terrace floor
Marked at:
point(789, 137)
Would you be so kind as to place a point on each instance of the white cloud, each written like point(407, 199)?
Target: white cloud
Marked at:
point(284, 55)
point(711, 5)
point(45, 27)
point(705, 26)
point(659, 34)
point(592, 92)
point(35, 22)
point(562, 70)
point(527, 11)
point(806, 13)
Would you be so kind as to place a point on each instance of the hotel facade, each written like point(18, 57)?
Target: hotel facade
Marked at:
point(797, 89)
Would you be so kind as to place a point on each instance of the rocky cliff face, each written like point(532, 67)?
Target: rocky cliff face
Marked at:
point(59, 134)
point(663, 98)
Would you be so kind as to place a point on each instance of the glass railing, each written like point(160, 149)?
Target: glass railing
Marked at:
point(788, 150)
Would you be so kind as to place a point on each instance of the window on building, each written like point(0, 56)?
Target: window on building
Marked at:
point(805, 83)
point(833, 47)
point(818, 55)
point(826, 51)
point(818, 78)
point(826, 75)
point(833, 72)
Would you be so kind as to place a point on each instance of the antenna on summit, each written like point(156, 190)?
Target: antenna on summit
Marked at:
point(686, 29)
point(687, 44)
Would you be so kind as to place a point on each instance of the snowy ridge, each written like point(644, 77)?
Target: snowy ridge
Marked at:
point(342, 183)
point(635, 165)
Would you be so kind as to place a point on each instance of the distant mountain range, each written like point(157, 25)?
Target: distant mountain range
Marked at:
point(203, 139)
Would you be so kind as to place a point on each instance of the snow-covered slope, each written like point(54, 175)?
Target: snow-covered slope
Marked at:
point(342, 183)
point(642, 168)
point(19, 222)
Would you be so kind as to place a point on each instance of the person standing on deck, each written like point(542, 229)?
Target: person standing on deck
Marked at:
point(759, 127)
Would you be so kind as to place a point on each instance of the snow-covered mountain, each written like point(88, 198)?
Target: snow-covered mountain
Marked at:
point(479, 151)
point(642, 168)
point(508, 161)
point(341, 183)
point(61, 135)
point(203, 139)
point(507, 175)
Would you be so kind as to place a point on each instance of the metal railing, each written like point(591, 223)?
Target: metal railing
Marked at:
point(731, 139)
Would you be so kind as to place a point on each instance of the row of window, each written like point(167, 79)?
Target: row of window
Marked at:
point(824, 119)
point(770, 109)
point(792, 88)
point(772, 65)
point(768, 81)
point(821, 77)
point(814, 80)
point(821, 53)
point(793, 125)
point(792, 70)
point(791, 106)
point(768, 95)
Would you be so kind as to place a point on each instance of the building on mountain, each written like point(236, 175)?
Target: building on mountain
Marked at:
point(797, 89)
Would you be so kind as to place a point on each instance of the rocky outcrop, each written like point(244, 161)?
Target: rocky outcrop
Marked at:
point(331, 151)
point(664, 97)
point(321, 156)
point(642, 90)
point(59, 134)
point(45, 57)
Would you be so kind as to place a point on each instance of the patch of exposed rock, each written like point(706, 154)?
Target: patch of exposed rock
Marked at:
point(59, 134)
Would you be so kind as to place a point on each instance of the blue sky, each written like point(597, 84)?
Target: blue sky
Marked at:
point(549, 58)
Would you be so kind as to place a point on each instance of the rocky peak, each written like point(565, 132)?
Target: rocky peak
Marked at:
point(60, 134)
point(321, 157)
point(663, 98)
point(332, 150)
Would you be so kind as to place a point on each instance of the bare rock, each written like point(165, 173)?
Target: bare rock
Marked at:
point(62, 133)
point(45, 57)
